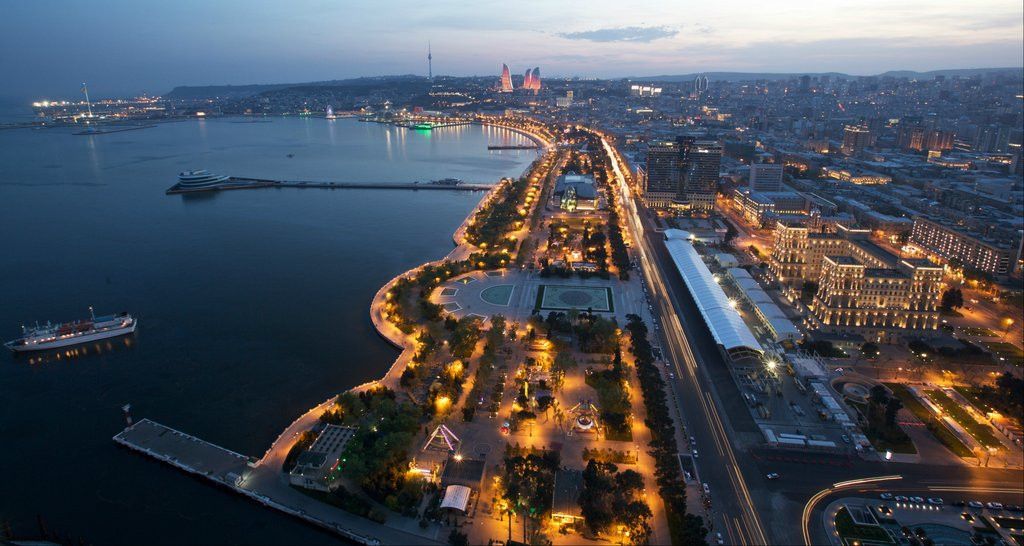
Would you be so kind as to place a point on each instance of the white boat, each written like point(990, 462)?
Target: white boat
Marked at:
point(199, 179)
point(53, 336)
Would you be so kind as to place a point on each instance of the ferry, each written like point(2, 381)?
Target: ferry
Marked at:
point(196, 180)
point(53, 336)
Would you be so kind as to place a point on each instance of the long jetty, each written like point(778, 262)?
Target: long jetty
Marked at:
point(243, 183)
point(254, 479)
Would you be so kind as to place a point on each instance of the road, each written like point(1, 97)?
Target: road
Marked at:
point(696, 390)
point(731, 459)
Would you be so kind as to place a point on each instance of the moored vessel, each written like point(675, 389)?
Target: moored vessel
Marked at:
point(53, 336)
point(199, 179)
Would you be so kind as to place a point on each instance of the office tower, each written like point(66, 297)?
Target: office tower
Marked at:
point(701, 165)
point(535, 80)
point(661, 184)
point(766, 177)
point(528, 79)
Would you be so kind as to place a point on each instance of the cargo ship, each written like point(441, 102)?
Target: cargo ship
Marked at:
point(53, 336)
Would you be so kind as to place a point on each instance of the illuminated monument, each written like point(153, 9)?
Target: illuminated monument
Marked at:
point(535, 79)
point(528, 79)
point(506, 79)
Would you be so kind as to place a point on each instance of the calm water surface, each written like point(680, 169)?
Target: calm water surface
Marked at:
point(252, 304)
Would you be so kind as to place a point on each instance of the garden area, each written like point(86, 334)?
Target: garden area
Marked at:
point(1005, 397)
point(881, 427)
point(850, 531)
point(527, 482)
point(980, 431)
point(939, 430)
point(612, 503)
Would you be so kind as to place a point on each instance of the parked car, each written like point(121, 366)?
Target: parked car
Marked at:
point(994, 505)
point(719, 539)
point(885, 496)
point(935, 500)
point(846, 438)
point(694, 452)
point(773, 476)
point(901, 498)
point(1014, 508)
point(707, 490)
point(975, 504)
point(917, 499)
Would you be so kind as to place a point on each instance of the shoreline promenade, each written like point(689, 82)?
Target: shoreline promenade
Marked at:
point(262, 479)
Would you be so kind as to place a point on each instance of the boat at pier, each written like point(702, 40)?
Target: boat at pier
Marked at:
point(201, 179)
point(53, 336)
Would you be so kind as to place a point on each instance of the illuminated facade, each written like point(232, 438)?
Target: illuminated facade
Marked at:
point(528, 79)
point(862, 288)
point(973, 253)
point(535, 79)
point(506, 79)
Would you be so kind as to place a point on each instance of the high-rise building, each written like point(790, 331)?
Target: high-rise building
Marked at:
point(535, 80)
point(766, 177)
point(661, 184)
point(855, 139)
point(506, 79)
point(528, 79)
point(702, 162)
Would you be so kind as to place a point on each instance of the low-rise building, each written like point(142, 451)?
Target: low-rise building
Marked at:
point(317, 467)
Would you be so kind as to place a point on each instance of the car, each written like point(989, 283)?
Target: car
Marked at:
point(846, 438)
point(719, 539)
point(975, 504)
point(693, 441)
point(1014, 508)
point(994, 505)
point(935, 500)
point(694, 452)
point(885, 496)
point(960, 503)
point(917, 499)
point(773, 476)
point(707, 490)
point(900, 498)
point(967, 517)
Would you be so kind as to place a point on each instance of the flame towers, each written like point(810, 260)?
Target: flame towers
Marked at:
point(506, 79)
point(531, 80)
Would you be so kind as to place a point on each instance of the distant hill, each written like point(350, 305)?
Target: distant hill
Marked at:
point(746, 76)
point(189, 92)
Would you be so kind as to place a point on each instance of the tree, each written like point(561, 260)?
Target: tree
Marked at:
point(869, 350)
point(952, 298)
point(456, 538)
point(892, 407)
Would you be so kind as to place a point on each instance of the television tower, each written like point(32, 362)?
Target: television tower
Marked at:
point(430, 63)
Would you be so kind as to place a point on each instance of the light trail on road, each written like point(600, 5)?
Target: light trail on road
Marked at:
point(675, 336)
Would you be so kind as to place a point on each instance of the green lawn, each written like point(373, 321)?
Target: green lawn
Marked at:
point(1008, 351)
point(881, 444)
point(849, 530)
point(981, 432)
point(937, 429)
point(980, 332)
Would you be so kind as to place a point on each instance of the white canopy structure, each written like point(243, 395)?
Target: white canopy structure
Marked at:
point(456, 497)
point(725, 324)
point(769, 313)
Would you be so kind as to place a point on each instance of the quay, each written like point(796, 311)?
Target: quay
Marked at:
point(513, 147)
point(260, 480)
point(242, 183)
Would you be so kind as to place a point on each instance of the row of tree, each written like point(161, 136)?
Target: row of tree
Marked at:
point(685, 529)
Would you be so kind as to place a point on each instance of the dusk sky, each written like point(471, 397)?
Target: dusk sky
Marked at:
point(121, 46)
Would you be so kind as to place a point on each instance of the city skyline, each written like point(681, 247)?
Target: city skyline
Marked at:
point(215, 45)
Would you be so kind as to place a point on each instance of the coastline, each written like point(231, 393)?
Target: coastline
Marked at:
point(262, 479)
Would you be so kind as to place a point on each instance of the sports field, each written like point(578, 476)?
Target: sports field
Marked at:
point(563, 298)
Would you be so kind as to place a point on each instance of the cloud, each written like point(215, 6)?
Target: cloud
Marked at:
point(622, 34)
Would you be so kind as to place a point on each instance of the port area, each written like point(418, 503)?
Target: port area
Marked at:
point(241, 183)
point(260, 482)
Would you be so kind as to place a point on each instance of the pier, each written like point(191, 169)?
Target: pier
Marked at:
point(260, 480)
point(242, 183)
point(513, 147)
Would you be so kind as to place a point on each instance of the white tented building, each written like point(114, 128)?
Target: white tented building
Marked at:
point(720, 315)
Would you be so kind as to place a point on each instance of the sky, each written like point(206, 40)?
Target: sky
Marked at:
point(48, 47)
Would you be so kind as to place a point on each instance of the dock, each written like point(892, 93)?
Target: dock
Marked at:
point(513, 146)
point(252, 478)
point(243, 183)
